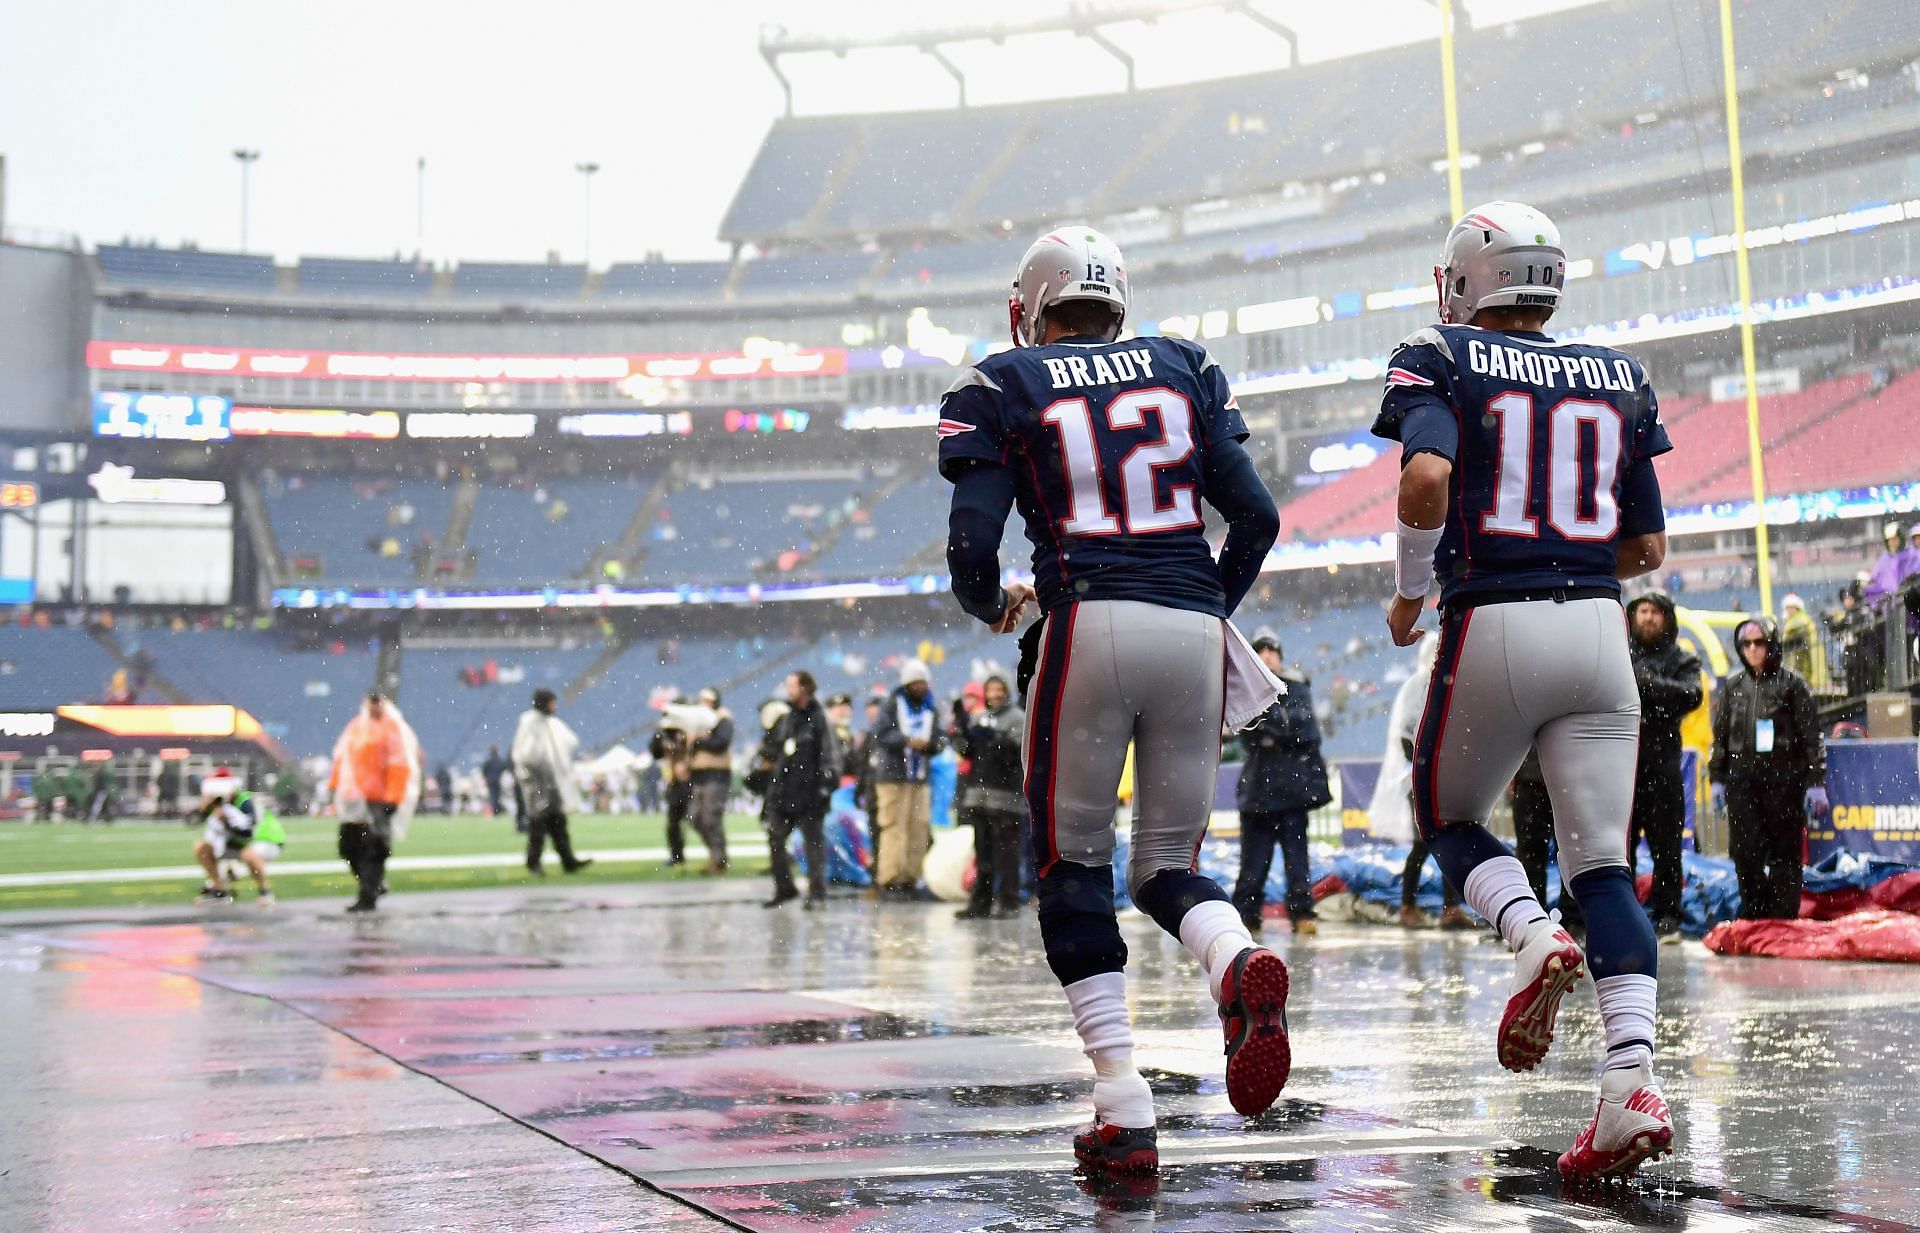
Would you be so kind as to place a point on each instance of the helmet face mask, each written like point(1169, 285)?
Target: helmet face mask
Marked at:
point(1071, 262)
point(1502, 255)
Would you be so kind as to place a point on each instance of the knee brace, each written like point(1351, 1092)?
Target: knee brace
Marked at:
point(1077, 923)
point(1620, 938)
point(1170, 894)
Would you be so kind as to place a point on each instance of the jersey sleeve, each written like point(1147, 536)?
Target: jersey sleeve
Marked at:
point(1649, 434)
point(971, 426)
point(1419, 381)
point(1219, 415)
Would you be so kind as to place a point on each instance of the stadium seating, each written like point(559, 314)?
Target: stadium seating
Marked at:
point(677, 281)
point(45, 668)
point(345, 520)
point(1870, 440)
point(736, 530)
point(884, 535)
point(303, 698)
point(135, 266)
point(489, 280)
point(547, 530)
point(346, 277)
point(819, 272)
point(455, 719)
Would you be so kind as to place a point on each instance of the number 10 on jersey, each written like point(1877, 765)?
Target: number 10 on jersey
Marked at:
point(1141, 509)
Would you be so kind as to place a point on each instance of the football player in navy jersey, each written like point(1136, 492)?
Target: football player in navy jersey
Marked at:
point(1527, 485)
point(1108, 447)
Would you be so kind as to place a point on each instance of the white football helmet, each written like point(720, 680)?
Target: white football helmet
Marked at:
point(1071, 262)
point(1503, 253)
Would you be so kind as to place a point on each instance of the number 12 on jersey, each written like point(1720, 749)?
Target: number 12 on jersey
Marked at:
point(1583, 457)
point(1141, 509)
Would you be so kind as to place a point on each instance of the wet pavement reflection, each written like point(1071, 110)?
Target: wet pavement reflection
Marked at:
point(522, 1060)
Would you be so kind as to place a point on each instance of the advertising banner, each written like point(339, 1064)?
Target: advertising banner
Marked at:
point(1874, 788)
point(436, 366)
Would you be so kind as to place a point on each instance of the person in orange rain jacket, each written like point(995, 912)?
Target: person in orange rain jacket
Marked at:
point(375, 783)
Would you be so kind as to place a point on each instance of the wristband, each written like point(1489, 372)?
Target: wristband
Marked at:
point(1413, 559)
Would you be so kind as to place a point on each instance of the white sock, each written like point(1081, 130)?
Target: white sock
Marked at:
point(1626, 1008)
point(1498, 889)
point(1213, 933)
point(1120, 1095)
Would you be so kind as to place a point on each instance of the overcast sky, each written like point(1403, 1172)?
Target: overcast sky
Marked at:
point(118, 118)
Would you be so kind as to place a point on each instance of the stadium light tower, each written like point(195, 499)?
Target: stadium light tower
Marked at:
point(246, 158)
point(586, 171)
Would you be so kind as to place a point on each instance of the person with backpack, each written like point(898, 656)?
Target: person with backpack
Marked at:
point(238, 826)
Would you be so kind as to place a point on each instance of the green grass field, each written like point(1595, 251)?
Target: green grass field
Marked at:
point(64, 847)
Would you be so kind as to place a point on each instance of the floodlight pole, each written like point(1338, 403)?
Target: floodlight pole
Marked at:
point(419, 206)
point(1450, 108)
point(1743, 273)
point(587, 171)
point(932, 51)
point(246, 158)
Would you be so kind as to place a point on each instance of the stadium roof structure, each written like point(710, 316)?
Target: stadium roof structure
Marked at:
point(1086, 21)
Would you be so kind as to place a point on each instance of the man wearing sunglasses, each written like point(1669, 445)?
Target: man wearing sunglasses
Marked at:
point(1768, 771)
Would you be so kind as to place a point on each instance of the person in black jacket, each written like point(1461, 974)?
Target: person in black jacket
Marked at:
point(805, 768)
point(1768, 771)
point(1668, 676)
point(1282, 779)
point(990, 739)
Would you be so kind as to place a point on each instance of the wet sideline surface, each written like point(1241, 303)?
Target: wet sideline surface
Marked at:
point(653, 1058)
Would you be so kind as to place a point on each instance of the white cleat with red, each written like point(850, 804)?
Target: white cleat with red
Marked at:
point(1631, 1127)
point(1545, 967)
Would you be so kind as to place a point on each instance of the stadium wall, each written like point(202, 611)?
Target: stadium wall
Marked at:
point(44, 298)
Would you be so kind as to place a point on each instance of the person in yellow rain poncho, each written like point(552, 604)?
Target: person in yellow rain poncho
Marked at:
point(376, 784)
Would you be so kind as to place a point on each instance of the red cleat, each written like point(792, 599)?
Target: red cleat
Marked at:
point(1625, 1132)
point(1253, 1011)
point(1545, 968)
point(1117, 1149)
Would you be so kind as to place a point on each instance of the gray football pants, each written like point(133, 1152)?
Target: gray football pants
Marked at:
point(1511, 676)
point(1111, 673)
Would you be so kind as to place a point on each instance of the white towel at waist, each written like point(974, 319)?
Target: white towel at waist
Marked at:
point(1251, 687)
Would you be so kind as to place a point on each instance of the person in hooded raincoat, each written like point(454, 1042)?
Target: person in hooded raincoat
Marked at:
point(375, 785)
point(1668, 677)
point(1769, 771)
point(543, 749)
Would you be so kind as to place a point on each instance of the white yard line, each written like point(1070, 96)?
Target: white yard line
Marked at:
point(486, 860)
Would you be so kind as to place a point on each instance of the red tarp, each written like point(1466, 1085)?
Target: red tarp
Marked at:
point(1876, 934)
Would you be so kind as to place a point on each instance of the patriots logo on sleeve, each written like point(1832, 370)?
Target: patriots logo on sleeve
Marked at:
point(952, 428)
point(1399, 377)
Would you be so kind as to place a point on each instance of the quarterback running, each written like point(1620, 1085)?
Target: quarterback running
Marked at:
point(1109, 447)
point(1527, 485)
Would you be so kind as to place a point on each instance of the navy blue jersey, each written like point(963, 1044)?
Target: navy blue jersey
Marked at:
point(1107, 445)
point(1552, 447)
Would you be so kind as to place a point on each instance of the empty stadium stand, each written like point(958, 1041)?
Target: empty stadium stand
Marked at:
point(547, 530)
point(135, 266)
point(736, 530)
point(347, 277)
point(679, 281)
point(356, 529)
point(45, 668)
point(500, 281)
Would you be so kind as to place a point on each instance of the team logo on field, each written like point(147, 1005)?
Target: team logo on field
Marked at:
point(1398, 377)
point(952, 428)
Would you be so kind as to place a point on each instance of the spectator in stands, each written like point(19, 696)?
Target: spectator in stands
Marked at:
point(1768, 771)
point(803, 768)
point(710, 763)
point(673, 753)
point(904, 743)
point(1803, 650)
point(990, 738)
point(1282, 779)
point(494, 771)
point(1533, 839)
point(1893, 566)
point(542, 752)
point(1668, 676)
point(375, 785)
point(1862, 649)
